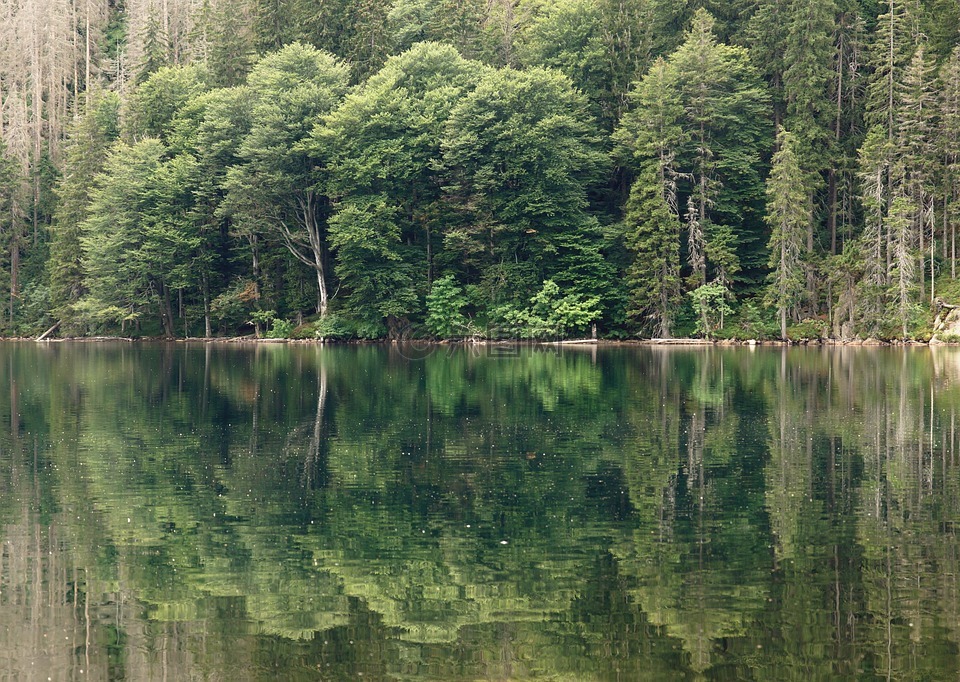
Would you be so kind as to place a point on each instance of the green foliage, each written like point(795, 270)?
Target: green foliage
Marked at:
point(372, 145)
point(445, 304)
point(156, 102)
point(808, 330)
point(653, 238)
point(85, 153)
point(710, 305)
point(751, 321)
point(521, 152)
point(280, 329)
point(788, 215)
point(235, 305)
point(552, 316)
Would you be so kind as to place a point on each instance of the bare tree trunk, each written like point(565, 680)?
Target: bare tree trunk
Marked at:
point(207, 331)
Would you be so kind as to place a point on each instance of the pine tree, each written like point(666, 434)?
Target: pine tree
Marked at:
point(874, 164)
point(904, 274)
point(809, 56)
point(788, 215)
point(888, 57)
point(652, 235)
point(948, 136)
point(724, 105)
point(912, 171)
point(84, 156)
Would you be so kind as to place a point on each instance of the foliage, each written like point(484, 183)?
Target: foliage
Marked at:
point(807, 330)
point(280, 329)
point(445, 304)
point(710, 305)
point(552, 316)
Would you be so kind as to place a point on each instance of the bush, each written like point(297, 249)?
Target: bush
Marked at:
point(551, 315)
point(808, 330)
point(280, 329)
point(751, 322)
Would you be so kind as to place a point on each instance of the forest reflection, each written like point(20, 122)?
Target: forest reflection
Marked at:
point(264, 512)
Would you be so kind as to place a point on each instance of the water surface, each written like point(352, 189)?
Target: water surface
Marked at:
point(224, 512)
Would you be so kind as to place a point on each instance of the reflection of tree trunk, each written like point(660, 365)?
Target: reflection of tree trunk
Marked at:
point(317, 438)
point(207, 329)
point(205, 396)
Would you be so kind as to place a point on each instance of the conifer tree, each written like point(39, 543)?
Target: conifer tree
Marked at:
point(875, 249)
point(652, 234)
point(788, 215)
point(948, 136)
point(915, 153)
point(84, 156)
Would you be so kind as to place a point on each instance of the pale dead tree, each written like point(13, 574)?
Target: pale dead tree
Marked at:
point(166, 26)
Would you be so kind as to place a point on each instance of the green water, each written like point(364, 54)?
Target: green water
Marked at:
point(225, 512)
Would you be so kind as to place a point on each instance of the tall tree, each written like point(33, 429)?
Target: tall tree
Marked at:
point(382, 147)
point(948, 136)
point(652, 235)
point(522, 151)
point(84, 156)
point(788, 215)
point(912, 171)
point(723, 104)
point(292, 89)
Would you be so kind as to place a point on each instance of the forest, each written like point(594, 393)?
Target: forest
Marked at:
point(539, 169)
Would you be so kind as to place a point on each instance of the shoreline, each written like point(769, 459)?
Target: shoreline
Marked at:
point(670, 342)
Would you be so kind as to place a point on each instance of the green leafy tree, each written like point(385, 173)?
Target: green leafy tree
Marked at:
point(568, 35)
point(521, 152)
point(276, 181)
point(365, 236)
point(153, 106)
point(552, 315)
point(445, 304)
point(382, 146)
point(710, 305)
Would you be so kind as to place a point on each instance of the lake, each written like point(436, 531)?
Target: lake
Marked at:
point(262, 512)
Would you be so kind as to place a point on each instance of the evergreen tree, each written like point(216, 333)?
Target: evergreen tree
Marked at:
point(874, 163)
point(788, 214)
point(723, 104)
point(888, 56)
point(904, 274)
point(948, 136)
point(912, 171)
point(652, 235)
point(84, 156)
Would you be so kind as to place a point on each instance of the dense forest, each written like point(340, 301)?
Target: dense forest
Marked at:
point(484, 168)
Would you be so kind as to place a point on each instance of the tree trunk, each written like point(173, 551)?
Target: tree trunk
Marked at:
point(166, 311)
point(207, 331)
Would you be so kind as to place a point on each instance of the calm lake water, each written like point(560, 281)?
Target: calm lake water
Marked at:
point(223, 512)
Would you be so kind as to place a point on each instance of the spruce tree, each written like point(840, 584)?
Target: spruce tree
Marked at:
point(948, 136)
point(788, 215)
point(84, 155)
point(652, 234)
